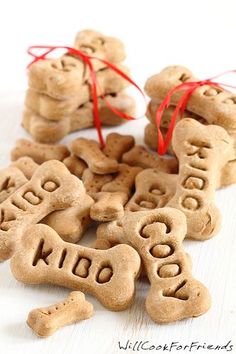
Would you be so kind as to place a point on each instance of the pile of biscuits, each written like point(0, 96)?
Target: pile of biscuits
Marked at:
point(207, 105)
point(143, 207)
point(58, 100)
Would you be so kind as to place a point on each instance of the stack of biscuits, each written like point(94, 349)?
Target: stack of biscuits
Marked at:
point(59, 101)
point(208, 105)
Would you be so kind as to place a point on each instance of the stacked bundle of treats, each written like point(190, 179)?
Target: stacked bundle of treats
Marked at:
point(59, 99)
point(208, 105)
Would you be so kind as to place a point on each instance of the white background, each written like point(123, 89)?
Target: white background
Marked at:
point(198, 34)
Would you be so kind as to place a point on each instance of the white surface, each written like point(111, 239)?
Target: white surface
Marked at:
point(197, 34)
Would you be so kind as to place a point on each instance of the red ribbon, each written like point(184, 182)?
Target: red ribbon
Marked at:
point(188, 88)
point(87, 59)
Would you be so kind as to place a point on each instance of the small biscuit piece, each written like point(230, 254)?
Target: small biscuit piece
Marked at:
point(114, 195)
point(75, 165)
point(39, 152)
point(215, 105)
point(202, 152)
point(95, 43)
point(153, 189)
point(140, 156)
point(93, 182)
point(11, 179)
point(26, 165)
point(51, 188)
point(71, 223)
point(108, 275)
point(47, 320)
point(157, 236)
point(117, 145)
point(108, 206)
point(90, 152)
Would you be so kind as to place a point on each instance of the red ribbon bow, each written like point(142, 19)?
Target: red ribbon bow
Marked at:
point(188, 88)
point(87, 60)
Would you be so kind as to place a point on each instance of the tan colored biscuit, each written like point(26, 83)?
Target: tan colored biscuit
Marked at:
point(61, 86)
point(151, 137)
point(140, 156)
point(75, 165)
point(38, 152)
point(11, 179)
point(202, 152)
point(117, 145)
point(47, 320)
point(71, 223)
point(108, 206)
point(228, 174)
point(93, 182)
point(94, 43)
point(157, 236)
point(114, 195)
point(108, 275)
point(216, 106)
point(49, 131)
point(26, 165)
point(153, 189)
point(90, 152)
point(51, 188)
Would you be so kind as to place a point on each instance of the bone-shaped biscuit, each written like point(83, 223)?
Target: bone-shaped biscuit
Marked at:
point(140, 156)
point(26, 165)
point(153, 189)
point(157, 236)
point(75, 165)
point(93, 182)
point(11, 178)
point(114, 195)
point(108, 206)
point(52, 187)
point(61, 84)
point(72, 222)
point(45, 321)
point(202, 152)
point(39, 152)
point(117, 145)
point(215, 105)
point(90, 152)
point(93, 42)
point(45, 130)
point(108, 275)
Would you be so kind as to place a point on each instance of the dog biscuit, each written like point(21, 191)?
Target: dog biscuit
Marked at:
point(26, 165)
point(151, 137)
point(93, 182)
point(140, 156)
point(215, 105)
point(75, 165)
point(11, 179)
point(108, 275)
point(117, 145)
point(90, 152)
point(94, 43)
point(47, 320)
point(51, 188)
point(39, 152)
point(153, 189)
point(157, 236)
point(71, 223)
point(114, 195)
point(202, 152)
